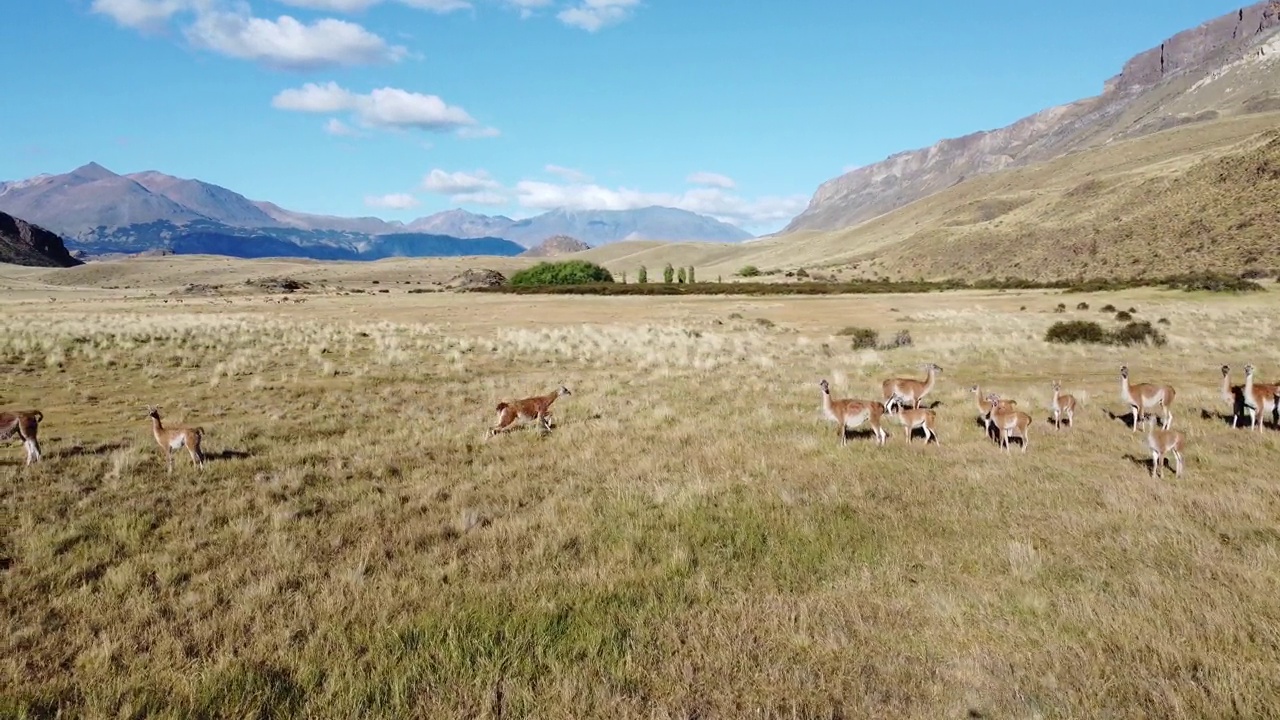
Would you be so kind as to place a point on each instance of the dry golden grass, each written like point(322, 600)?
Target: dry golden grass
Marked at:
point(690, 540)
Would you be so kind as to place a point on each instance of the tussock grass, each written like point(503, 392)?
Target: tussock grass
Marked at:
point(691, 539)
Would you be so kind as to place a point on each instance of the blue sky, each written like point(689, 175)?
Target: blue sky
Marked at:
point(400, 108)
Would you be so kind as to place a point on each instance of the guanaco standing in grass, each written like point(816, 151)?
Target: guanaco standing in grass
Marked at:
point(1161, 442)
point(173, 438)
point(26, 425)
point(985, 406)
point(530, 408)
point(1146, 396)
point(1009, 422)
point(1064, 406)
point(909, 389)
point(849, 413)
point(1233, 395)
point(1258, 399)
point(913, 418)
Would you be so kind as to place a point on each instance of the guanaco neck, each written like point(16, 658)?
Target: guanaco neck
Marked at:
point(157, 428)
point(1226, 387)
point(929, 380)
point(1248, 390)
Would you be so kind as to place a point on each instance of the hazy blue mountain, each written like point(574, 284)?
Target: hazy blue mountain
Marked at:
point(594, 227)
point(460, 223)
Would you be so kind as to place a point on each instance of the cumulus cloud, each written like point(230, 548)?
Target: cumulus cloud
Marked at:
point(592, 15)
point(385, 107)
point(288, 44)
point(711, 179)
point(527, 8)
point(568, 173)
point(714, 202)
point(394, 201)
point(339, 128)
point(456, 183)
point(140, 14)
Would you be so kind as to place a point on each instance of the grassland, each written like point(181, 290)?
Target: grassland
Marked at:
point(690, 541)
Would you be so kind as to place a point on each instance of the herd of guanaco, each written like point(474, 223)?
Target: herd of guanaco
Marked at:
point(900, 401)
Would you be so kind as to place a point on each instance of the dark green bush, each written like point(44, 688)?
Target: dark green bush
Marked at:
point(1076, 331)
point(642, 275)
point(1082, 306)
point(1061, 308)
point(749, 271)
point(1138, 333)
point(564, 272)
point(1109, 308)
point(1124, 316)
point(900, 340)
point(668, 274)
point(863, 338)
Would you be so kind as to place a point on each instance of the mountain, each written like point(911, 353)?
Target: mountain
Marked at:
point(305, 221)
point(460, 223)
point(87, 197)
point(1224, 67)
point(556, 245)
point(22, 243)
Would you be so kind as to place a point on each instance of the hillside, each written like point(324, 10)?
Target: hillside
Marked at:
point(22, 243)
point(556, 245)
point(1198, 196)
point(1225, 67)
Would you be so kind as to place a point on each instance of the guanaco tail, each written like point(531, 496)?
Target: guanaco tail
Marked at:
point(911, 390)
point(1009, 422)
point(912, 418)
point(173, 438)
point(849, 413)
point(1161, 442)
point(25, 424)
point(1258, 399)
point(1064, 407)
point(1144, 397)
point(531, 408)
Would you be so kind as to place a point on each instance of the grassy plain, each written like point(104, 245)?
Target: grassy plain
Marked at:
point(690, 541)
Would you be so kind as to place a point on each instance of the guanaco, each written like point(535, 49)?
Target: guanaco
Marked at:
point(530, 408)
point(1144, 397)
point(1258, 399)
point(909, 389)
point(179, 436)
point(1064, 406)
point(25, 424)
point(1010, 422)
point(1161, 442)
point(913, 418)
point(985, 406)
point(1233, 395)
point(849, 413)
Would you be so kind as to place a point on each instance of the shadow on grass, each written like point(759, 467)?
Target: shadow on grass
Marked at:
point(98, 450)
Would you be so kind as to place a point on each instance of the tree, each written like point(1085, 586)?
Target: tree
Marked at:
point(564, 272)
point(680, 276)
point(689, 274)
point(749, 271)
point(668, 273)
point(643, 275)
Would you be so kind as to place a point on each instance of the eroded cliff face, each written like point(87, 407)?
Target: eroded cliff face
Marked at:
point(1160, 88)
point(22, 243)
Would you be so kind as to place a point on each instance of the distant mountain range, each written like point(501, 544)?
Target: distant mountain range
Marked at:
point(99, 211)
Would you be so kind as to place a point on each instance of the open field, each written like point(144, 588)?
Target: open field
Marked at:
point(690, 541)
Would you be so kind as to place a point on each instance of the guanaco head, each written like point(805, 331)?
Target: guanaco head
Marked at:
point(931, 367)
point(562, 390)
point(153, 411)
point(1057, 385)
point(1124, 371)
point(1226, 370)
point(826, 389)
point(1248, 370)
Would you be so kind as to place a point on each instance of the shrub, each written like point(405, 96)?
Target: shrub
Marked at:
point(1082, 306)
point(642, 275)
point(764, 322)
point(680, 276)
point(1062, 307)
point(900, 340)
point(668, 274)
point(802, 273)
point(1162, 321)
point(863, 338)
point(689, 274)
point(1108, 308)
point(1124, 316)
point(564, 272)
point(1138, 333)
point(1076, 331)
point(1210, 282)
point(749, 271)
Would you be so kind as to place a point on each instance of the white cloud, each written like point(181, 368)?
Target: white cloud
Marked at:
point(711, 179)
point(339, 128)
point(383, 107)
point(394, 201)
point(288, 44)
point(355, 6)
point(714, 202)
point(458, 183)
point(474, 133)
point(528, 7)
point(484, 197)
point(568, 173)
point(139, 14)
point(591, 15)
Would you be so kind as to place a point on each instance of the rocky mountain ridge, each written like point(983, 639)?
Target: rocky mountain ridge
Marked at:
point(22, 243)
point(1227, 65)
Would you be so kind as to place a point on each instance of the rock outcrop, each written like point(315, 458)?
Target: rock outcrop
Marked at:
point(556, 245)
point(22, 243)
